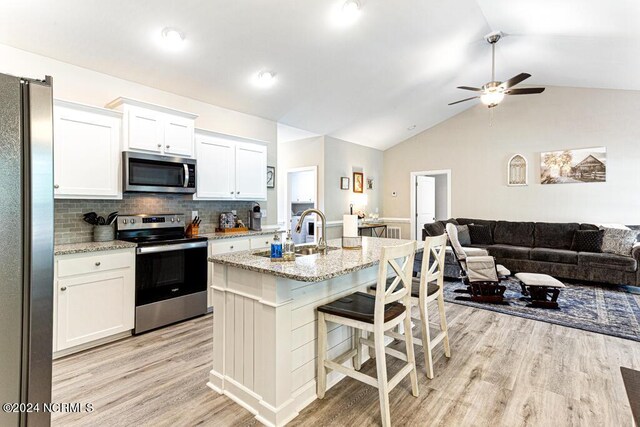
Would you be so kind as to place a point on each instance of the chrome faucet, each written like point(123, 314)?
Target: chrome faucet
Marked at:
point(322, 243)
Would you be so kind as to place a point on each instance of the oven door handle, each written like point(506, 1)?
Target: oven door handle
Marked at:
point(169, 248)
point(186, 175)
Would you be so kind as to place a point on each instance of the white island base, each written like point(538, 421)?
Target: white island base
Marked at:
point(264, 338)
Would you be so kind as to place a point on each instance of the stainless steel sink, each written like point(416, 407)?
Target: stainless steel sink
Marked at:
point(302, 250)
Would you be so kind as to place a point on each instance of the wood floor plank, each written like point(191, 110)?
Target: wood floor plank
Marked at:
point(504, 370)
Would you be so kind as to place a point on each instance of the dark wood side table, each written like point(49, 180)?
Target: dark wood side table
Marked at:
point(374, 229)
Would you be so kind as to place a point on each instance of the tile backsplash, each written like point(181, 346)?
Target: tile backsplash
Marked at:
point(70, 228)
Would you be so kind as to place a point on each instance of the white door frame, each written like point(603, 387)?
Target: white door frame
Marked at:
point(287, 198)
point(413, 180)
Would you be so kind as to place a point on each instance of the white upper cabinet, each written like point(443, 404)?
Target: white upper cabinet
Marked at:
point(216, 167)
point(86, 152)
point(251, 171)
point(155, 129)
point(229, 168)
point(303, 187)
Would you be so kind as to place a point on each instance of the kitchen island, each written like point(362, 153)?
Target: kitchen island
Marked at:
point(264, 328)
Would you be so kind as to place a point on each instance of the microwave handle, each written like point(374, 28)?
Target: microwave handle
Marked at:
point(186, 175)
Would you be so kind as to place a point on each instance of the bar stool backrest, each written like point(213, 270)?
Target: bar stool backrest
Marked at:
point(400, 259)
point(432, 268)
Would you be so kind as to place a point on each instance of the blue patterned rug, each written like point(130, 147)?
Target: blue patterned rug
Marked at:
point(605, 309)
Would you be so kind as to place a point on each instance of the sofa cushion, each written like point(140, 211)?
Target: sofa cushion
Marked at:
point(463, 235)
point(554, 235)
point(514, 233)
point(587, 241)
point(563, 256)
point(480, 234)
point(467, 221)
point(609, 261)
point(509, 251)
point(618, 241)
point(589, 227)
point(434, 229)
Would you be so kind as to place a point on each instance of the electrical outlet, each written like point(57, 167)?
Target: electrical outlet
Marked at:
point(194, 214)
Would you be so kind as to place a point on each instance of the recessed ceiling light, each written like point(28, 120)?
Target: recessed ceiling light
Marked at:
point(265, 79)
point(345, 14)
point(172, 38)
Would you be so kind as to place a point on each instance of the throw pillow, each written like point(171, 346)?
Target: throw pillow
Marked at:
point(480, 234)
point(587, 241)
point(463, 235)
point(618, 241)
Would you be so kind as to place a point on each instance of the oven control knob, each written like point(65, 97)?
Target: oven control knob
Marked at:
point(173, 219)
point(178, 219)
point(133, 221)
point(124, 221)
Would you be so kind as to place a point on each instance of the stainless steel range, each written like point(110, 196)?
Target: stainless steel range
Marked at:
point(171, 269)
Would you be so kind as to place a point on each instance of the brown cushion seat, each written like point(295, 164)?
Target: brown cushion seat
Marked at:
point(432, 288)
point(360, 306)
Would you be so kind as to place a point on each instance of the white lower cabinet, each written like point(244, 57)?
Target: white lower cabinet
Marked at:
point(94, 298)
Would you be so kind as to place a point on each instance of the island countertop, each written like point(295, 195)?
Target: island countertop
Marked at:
point(313, 268)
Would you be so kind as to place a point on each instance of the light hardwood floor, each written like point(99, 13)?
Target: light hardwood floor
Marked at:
point(504, 370)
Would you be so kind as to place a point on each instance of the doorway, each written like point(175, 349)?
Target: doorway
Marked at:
point(302, 194)
point(430, 199)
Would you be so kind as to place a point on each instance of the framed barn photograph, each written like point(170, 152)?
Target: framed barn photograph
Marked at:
point(574, 166)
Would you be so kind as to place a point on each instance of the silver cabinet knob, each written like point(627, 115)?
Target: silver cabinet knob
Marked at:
point(64, 288)
point(159, 145)
point(168, 146)
point(231, 192)
point(231, 247)
point(237, 192)
point(56, 186)
point(97, 263)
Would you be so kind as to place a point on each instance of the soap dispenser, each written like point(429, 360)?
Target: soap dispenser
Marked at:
point(276, 248)
point(289, 249)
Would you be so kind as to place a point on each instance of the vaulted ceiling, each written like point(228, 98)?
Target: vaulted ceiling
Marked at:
point(397, 66)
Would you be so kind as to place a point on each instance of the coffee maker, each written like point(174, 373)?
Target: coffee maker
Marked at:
point(255, 218)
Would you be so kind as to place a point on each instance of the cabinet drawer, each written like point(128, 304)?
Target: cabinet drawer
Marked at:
point(261, 242)
point(229, 245)
point(71, 265)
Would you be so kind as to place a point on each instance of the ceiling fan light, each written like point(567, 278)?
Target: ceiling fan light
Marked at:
point(492, 98)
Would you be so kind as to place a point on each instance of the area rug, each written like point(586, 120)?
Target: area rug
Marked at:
point(605, 309)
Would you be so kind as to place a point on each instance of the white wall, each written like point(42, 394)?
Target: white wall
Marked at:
point(79, 84)
point(476, 146)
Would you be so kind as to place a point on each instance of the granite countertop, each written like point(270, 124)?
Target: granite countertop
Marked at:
point(217, 236)
point(313, 268)
point(80, 248)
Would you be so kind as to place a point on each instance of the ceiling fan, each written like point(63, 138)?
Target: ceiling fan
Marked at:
point(492, 93)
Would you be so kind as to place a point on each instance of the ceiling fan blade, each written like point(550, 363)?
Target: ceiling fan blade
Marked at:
point(475, 89)
point(515, 80)
point(524, 91)
point(463, 100)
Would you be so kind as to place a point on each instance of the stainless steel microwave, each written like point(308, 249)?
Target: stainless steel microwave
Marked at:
point(152, 173)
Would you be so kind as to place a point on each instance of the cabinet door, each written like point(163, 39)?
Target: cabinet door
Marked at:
point(94, 306)
point(145, 129)
point(178, 136)
point(86, 154)
point(251, 171)
point(215, 177)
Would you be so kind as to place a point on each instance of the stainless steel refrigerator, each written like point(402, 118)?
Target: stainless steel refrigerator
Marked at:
point(26, 247)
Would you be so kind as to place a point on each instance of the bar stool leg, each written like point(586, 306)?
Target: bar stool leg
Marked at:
point(381, 366)
point(357, 359)
point(411, 356)
point(426, 338)
point(322, 354)
point(443, 324)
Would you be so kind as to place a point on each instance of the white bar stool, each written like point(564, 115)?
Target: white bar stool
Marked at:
point(375, 314)
point(424, 291)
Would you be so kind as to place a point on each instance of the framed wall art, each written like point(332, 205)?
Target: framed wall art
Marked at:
point(358, 182)
point(517, 171)
point(344, 183)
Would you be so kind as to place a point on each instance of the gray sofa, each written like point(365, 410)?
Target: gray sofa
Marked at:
point(540, 247)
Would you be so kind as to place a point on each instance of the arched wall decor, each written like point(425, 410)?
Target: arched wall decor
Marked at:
point(517, 171)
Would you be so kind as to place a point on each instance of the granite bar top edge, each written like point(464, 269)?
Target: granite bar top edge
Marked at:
point(250, 233)
point(88, 247)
